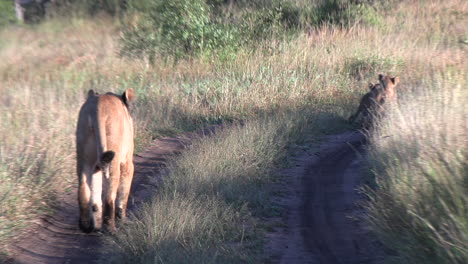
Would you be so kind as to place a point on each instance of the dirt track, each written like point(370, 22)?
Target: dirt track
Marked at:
point(319, 226)
point(323, 224)
point(57, 239)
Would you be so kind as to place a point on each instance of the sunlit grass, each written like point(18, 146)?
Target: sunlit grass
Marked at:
point(418, 154)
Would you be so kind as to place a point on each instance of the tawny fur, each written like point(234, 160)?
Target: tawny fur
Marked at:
point(389, 84)
point(104, 148)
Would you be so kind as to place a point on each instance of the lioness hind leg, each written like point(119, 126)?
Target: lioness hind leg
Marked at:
point(84, 197)
point(96, 200)
point(124, 189)
point(110, 194)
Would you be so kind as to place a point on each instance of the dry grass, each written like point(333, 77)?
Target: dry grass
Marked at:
point(182, 229)
point(418, 155)
point(36, 150)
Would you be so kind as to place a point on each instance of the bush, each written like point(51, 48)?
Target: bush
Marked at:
point(183, 28)
point(344, 12)
point(7, 12)
point(260, 24)
point(178, 29)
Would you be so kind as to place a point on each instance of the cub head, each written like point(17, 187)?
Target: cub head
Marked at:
point(389, 83)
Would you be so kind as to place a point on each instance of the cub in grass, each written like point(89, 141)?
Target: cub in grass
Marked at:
point(389, 84)
point(372, 103)
point(104, 152)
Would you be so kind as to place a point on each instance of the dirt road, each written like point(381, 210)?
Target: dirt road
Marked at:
point(57, 239)
point(323, 220)
point(319, 226)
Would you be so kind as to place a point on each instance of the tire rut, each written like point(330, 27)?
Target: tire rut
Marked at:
point(324, 223)
point(329, 203)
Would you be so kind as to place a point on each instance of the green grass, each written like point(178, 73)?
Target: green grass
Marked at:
point(7, 13)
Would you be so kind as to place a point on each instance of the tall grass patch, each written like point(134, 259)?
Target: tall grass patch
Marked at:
point(419, 157)
point(182, 229)
point(36, 149)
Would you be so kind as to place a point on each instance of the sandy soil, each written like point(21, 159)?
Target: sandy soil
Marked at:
point(323, 223)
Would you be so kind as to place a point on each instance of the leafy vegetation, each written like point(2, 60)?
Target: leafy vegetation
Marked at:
point(7, 12)
point(183, 28)
point(177, 28)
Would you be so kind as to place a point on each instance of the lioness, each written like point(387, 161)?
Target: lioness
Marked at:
point(104, 147)
point(372, 102)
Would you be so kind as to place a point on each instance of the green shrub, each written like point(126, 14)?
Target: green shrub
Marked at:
point(260, 24)
point(178, 29)
point(112, 7)
point(344, 12)
point(183, 28)
point(7, 12)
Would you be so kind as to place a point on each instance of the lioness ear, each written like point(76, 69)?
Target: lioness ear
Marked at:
point(380, 77)
point(395, 80)
point(91, 93)
point(371, 86)
point(128, 96)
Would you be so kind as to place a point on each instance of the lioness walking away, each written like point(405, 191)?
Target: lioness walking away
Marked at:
point(104, 150)
point(372, 103)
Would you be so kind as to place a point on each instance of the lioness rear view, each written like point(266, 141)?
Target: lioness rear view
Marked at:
point(104, 148)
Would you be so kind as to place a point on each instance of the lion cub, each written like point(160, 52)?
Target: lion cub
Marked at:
point(371, 104)
point(389, 84)
point(104, 152)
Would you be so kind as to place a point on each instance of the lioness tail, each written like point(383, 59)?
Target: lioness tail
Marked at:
point(107, 157)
